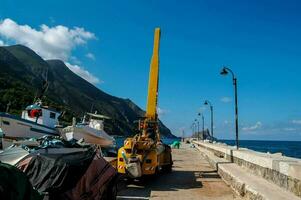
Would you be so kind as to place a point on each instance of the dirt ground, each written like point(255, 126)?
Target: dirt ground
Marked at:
point(191, 178)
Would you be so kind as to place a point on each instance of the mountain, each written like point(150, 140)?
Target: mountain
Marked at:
point(22, 72)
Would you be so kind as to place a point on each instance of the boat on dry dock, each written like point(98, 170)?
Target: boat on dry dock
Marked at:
point(35, 121)
point(91, 130)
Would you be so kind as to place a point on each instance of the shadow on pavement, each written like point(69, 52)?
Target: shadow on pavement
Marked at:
point(173, 181)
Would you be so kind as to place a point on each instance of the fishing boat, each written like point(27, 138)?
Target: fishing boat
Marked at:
point(35, 121)
point(91, 131)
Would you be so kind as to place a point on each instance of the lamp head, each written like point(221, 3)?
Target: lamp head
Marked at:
point(224, 71)
point(206, 102)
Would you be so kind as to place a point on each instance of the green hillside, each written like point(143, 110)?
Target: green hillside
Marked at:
point(21, 77)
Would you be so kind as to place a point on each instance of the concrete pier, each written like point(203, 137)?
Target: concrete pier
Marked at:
point(254, 175)
point(192, 178)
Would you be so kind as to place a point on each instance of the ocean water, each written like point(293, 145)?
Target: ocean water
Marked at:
point(169, 141)
point(287, 148)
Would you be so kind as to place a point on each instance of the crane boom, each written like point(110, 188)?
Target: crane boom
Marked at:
point(145, 153)
point(152, 98)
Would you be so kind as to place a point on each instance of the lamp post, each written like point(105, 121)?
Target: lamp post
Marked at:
point(203, 123)
point(211, 109)
point(225, 71)
point(195, 129)
point(198, 128)
point(192, 128)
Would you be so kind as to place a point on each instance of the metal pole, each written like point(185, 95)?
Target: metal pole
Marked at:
point(8, 106)
point(236, 111)
point(225, 71)
point(203, 125)
point(194, 127)
point(198, 130)
point(211, 108)
point(195, 130)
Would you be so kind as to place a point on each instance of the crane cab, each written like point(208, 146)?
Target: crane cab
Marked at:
point(143, 153)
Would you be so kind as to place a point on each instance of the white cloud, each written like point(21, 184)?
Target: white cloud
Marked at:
point(161, 112)
point(75, 60)
point(50, 42)
point(226, 99)
point(3, 43)
point(296, 121)
point(91, 56)
point(255, 127)
point(55, 42)
point(83, 73)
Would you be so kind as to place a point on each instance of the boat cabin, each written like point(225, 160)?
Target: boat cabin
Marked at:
point(41, 115)
point(96, 121)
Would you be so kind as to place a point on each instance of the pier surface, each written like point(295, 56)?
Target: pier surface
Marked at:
point(192, 178)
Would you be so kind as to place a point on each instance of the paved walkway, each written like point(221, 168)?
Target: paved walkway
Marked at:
point(191, 178)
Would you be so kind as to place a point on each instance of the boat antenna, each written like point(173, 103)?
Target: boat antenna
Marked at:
point(45, 86)
point(8, 106)
point(84, 118)
point(62, 114)
point(92, 106)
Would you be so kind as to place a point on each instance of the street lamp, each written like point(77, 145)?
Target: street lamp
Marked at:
point(224, 72)
point(198, 128)
point(203, 123)
point(211, 109)
point(192, 128)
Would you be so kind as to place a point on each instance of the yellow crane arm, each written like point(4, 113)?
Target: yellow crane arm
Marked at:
point(152, 98)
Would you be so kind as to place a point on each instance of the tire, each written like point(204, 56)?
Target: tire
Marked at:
point(168, 168)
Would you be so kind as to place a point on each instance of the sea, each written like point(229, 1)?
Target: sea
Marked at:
point(169, 141)
point(287, 148)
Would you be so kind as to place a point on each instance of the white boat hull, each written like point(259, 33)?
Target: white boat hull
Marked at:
point(90, 135)
point(17, 128)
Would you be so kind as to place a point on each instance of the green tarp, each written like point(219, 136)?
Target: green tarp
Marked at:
point(14, 184)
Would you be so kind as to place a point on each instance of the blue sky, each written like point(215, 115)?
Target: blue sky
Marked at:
point(259, 40)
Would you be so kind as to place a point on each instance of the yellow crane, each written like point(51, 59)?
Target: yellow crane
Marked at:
point(145, 154)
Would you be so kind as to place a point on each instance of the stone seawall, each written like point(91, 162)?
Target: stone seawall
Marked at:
point(282, 171)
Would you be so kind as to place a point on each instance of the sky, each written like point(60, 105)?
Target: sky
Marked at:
point(109, 43)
